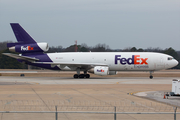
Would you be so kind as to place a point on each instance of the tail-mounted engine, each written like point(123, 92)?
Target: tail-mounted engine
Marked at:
point(29, 48)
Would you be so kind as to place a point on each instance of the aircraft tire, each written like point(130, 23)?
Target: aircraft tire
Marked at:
point(87, 76)
point(81, 76)
point(151, 77)
point(76, 75)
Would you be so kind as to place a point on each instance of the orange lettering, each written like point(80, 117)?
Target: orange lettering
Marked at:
point(136, 59)
point(29, 47)
point(32, 48)
point(144, 61)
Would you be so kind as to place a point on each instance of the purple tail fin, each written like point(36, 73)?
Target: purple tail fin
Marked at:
point(26, 44)
point(21, 35)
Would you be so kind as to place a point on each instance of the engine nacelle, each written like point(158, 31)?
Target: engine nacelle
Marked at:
point(29, 48)
point(112, 72)
point(101, 70)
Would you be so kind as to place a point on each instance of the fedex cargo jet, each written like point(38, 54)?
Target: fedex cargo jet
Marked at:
point(99, 63)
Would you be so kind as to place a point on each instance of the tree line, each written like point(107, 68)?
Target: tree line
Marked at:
point(11, 63)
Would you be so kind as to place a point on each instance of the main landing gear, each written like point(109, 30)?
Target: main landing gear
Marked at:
point(151, 76)
point(78, 75)
point(81, 76)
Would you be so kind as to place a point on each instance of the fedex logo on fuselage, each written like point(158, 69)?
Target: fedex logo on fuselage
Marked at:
point(136, 60)
point(26, 48)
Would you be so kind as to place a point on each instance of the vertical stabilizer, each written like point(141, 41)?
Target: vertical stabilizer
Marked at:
point(25, 43)
point(21, 35)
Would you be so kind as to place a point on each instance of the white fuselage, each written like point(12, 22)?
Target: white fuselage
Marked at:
point(117, 61)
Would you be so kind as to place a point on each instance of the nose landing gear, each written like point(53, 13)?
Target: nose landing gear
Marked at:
point(151, 76)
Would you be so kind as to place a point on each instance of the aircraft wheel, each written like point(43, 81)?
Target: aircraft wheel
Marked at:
point(81, 76)
point(76, 75)
point(87, 76)
point(151, 77)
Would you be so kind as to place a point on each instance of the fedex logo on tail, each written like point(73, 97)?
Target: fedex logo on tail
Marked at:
point(136, 60)
point(26, 48)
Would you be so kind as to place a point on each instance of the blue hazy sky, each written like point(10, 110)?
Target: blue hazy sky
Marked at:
point(117, 23)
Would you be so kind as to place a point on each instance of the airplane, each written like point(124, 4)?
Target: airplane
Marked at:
point(98, 63)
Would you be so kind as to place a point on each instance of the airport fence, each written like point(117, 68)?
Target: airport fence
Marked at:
point(95, 115)
point(79, 110)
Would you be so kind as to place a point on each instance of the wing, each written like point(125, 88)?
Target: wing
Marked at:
point(73, 65)
point(30, 59)
point(61, 65)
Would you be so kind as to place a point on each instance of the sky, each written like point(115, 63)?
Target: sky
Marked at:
point(118, 23)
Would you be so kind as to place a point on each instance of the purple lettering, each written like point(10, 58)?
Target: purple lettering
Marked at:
point(130, 60)
point(123, 61)
point(117, 57)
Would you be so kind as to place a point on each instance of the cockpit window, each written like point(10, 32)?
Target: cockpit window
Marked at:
point(170, 58)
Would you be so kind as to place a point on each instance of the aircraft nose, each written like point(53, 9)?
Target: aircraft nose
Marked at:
point(176, 62)
point(172, 63)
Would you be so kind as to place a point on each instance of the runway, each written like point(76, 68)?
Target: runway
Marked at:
point(94, 94)
point(94, 80)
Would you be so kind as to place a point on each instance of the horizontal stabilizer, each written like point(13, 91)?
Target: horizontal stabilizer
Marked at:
point(20, 57)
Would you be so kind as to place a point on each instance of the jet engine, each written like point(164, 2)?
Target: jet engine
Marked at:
point(101, 70)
